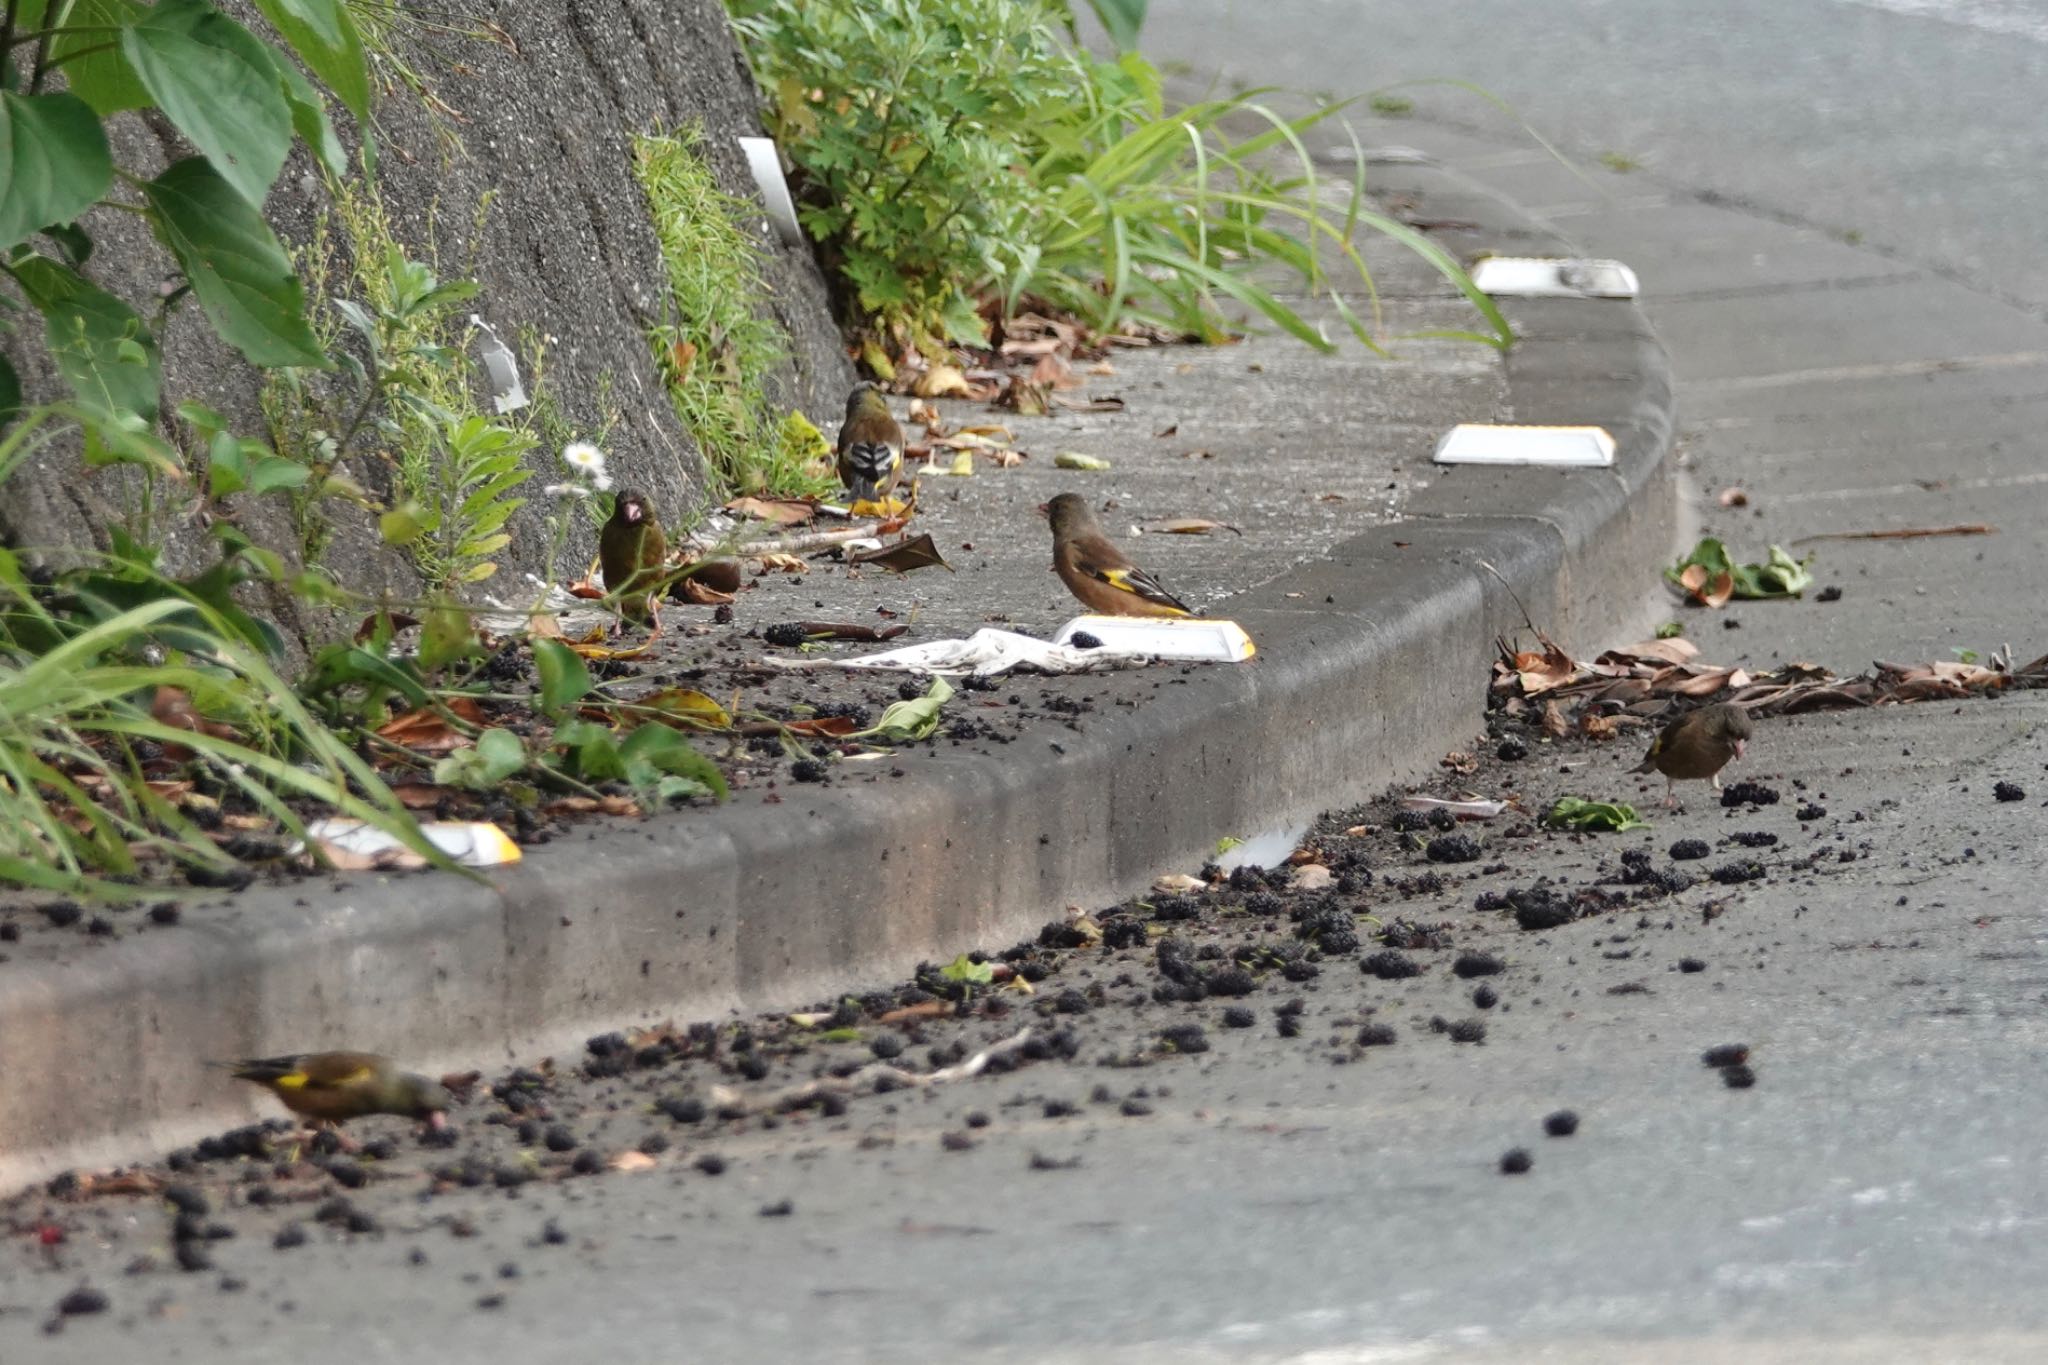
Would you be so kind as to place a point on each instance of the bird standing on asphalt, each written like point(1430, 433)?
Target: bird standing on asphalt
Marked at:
point(632, 549)
point(328, 1087)
point(1097, 572)
point(870, 445)
point(1697, 745)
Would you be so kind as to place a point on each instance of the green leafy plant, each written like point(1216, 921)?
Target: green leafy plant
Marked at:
point(1710, 575)
point(718, 345)
point(956, 158)
point(909, 121)
point(238, 100)
point(1576, 812)
point(1121, 20)
point(134, 707)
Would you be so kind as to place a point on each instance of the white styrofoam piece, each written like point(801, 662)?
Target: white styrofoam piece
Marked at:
point(501, 367)
point(766, 164)
point(1563, 447)
point(472, 843)
point(1530, 276)
point(1192, 640)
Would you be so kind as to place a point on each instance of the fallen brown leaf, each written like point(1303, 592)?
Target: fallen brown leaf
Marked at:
point(592, 805)
point(923, 1009)
point(1187, 526)
point(920, 552)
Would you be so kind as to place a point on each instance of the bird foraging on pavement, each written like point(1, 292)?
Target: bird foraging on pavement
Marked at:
point(326, 1088)
point(1098, 573)
point(1697, 745)
point(631, 549)
point(870, 445)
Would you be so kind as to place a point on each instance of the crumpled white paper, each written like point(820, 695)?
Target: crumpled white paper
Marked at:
point(985, 653)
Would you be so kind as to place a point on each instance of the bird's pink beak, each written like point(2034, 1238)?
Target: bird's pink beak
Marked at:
point(634, 512)
point(437, 1120)
point(1740, 745)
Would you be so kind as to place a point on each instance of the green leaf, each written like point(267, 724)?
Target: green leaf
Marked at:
point(564, 680)
point(497, 755)
point(227, 465)
point(446, 635)
point(1780, 576)
point(86, 328)
point(1121, 20)
point(654, 749)
point(338, 666)
point(325, 38)
point(1574, 812)
point(54, 162)
point(92, 62)
point(309, 115)
point(218, 83)
point(1671, 630)
point(10, 393)
point(403, 524)
point(235, 265)
point(910, 720)
point(273, 472)
point(74, 241)
point(965, 968)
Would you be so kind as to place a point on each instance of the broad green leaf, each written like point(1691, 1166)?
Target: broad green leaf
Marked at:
point(563, 679)
point(86, 327)
point(403, 524)
point(497, 755)
point(655, 749)
point(337, 666)
point(325, 38)
point(54, 162)
point(273, 472)
point(915, 719)
point(227, 466)
point(447, 634)
point(1575, 812)
point(235, 265)
point(218, 83)
point(92, 62)
point(309, 115)
point(965, 968)
point(71, 239)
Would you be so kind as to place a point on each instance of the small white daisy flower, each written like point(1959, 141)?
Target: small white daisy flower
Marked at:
point(586, 459)
point(566, 490)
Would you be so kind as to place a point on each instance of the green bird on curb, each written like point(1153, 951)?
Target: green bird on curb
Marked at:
point(870, 445)
point(327, 1088)
point(631, 550)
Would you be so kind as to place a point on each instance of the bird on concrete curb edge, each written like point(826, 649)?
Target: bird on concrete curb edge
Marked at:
point(1098, 573)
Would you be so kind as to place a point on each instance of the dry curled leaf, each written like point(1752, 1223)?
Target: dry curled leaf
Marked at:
point(1707, 589)
point(1178, 884)
point(941, 381)
point(1187, 526)
point(592, 805)
point(905, 555)
point(700, 594)
point(1554, 723)
point(781, 511)
point(777, 562)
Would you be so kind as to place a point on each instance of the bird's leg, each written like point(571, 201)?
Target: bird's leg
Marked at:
point(1670, 794)
point(1717, 781)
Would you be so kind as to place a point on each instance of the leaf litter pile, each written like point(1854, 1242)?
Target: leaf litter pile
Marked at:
point(1478, 912)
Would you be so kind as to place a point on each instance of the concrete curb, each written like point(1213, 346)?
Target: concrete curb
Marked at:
point(1372, 664)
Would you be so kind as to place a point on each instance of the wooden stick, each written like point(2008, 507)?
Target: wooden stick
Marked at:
point(1975, 528)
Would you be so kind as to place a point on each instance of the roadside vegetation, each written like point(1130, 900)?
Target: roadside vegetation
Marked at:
point(967, 171)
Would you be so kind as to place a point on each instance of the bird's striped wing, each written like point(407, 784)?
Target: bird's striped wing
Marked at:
point(313, 1071)
point(1135, 581)
point(872, 460)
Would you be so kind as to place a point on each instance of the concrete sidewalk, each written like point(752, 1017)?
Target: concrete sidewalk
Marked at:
point(1358, 575)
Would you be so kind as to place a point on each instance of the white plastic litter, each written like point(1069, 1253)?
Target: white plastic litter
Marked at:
point(1468, 810)
point(1127, 642)
point(985, 653)
point(766, 164)
point(1196, 640)
point(501, 367)
point(472, 843)
point(1561, 447)
point(1537, 277)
